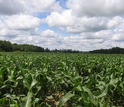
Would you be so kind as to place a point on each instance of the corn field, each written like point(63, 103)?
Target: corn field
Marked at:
point(61, 80)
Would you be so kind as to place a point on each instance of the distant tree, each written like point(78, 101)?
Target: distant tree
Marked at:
point(5, 46)
point(114, 50)
point(8, 47)
point(47, 50)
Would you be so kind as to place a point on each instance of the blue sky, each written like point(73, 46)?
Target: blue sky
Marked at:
point(62, 3)
point(63, 24)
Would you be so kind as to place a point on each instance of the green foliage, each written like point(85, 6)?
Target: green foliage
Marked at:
point(61, 80)
point(114, 50)
point(7, 46)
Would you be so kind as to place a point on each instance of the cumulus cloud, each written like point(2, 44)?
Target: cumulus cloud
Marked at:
point(118, 37)
point(41, 5)
point(83, 24)
point(11, 7)
point(47, 38)
point(10, 26)
point(116, 21)
point(75, 24)
point(61, 19)
point(3, 32)
point(21, 22)
point(3, 29)
point(53, 40)
point(49, 33)
point(96, 7)
point(86, 24)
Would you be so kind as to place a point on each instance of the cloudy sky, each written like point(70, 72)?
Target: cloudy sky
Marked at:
point(63, 24)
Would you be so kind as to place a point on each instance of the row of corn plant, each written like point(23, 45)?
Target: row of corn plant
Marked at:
point(61, 80)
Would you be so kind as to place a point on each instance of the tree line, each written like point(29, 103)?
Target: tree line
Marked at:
point(114, 50)
point(6, 46)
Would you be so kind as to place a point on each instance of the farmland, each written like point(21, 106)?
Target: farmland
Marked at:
point(61, 80)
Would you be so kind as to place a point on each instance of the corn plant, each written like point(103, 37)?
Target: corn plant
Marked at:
point(61, 80)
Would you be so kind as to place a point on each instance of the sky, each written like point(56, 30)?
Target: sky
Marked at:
point(63, 24)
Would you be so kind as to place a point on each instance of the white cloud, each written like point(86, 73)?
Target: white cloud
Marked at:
point(47, 38)
point(41, 5)
point(49, 33)
point(3, 29)
point(75, 24)
point(53, 40)
point(86, 24)
point(10, 7)
point(21, 22)
point(118, 37)
point(3, 32)
point(89, 24)
point(97, 7)
point(102, 35)
point(116, 21)
point(61, 19)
